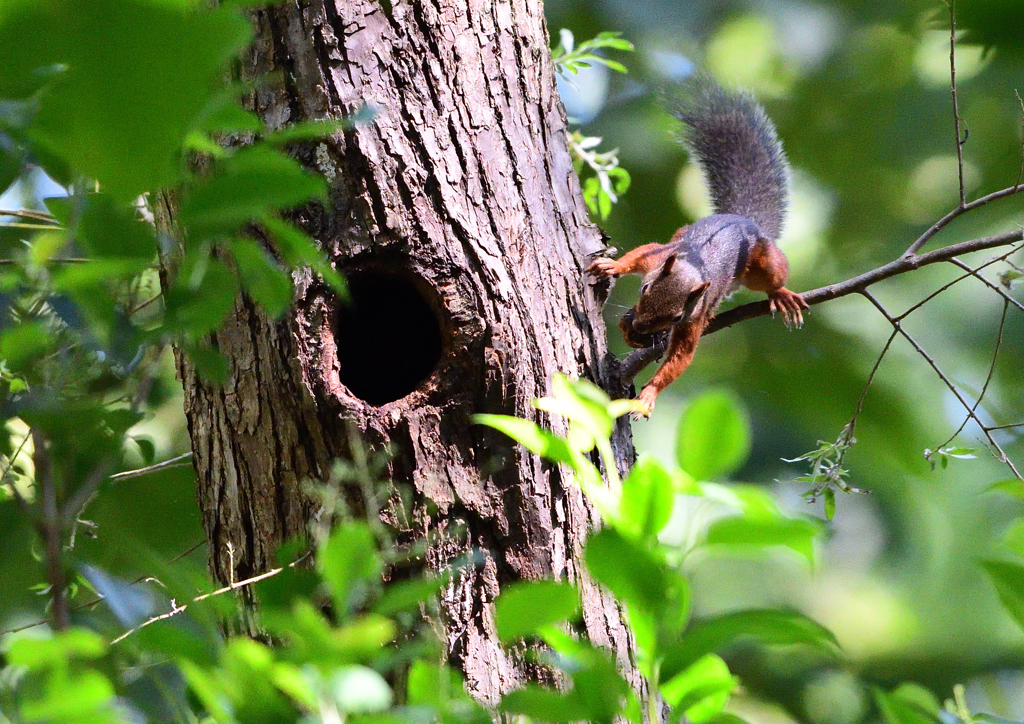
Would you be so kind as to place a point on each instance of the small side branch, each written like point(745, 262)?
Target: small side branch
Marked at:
point(176, 608)
point(897, 325)
point(960, 140)
point(988, 378)
point(959, 211)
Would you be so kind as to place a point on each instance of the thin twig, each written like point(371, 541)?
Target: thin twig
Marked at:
point(1005, 427)
point(994, 287)
point(968, 275)
point(142, 305)
point(28, 214)
point(1020, 174)
point(51, 530)
point(956, 104)
point(988, 378)
point(55, 260)
point(959, 211)
point(871, 378)
point(176, 609)
point(177, 462)
point(1004, 458)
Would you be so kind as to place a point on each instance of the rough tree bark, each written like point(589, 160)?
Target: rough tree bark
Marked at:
point(461, 190)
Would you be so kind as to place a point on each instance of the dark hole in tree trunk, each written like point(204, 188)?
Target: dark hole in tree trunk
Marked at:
point(388, 338)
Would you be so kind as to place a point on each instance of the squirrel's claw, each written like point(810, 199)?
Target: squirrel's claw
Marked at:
point(603, 268)
point(645, 403)
point(790, 304)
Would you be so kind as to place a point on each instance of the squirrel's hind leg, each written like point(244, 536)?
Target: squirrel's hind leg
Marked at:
point(767, 271)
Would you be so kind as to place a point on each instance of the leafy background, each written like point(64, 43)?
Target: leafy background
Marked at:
point(860, 94)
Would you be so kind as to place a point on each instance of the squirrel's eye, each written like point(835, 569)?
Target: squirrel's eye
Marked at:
point(644, 288)
point(678, 318)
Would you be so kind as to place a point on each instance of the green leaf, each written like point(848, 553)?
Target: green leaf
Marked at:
point(657, 597)
point(298, 249)
point(347, 561)
point(545, 705)
point(702, 690)
point(530, 435)
point(746, 531)
point(201, 297)
point(105, 227)
point(524, 607)
point(626, 569)
point(261, 277)
point(909, 704)
point(1008, 578)
point(406, 595)
point(211, 365)
point(1010, 486)
point(436, 685)
point(23, 343)
point(647, 500)
point(77, 698)
point(223, 114)
point(714, 436)
point(253, 182)
point(359, 690)
point(766, 625)
point(120, 122)
point(75, 643)
point(309, 130)
point(830, 503)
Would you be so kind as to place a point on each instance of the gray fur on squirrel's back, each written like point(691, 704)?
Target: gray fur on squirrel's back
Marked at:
point(737, 147)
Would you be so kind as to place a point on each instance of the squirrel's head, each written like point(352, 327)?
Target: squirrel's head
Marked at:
point(669, 295)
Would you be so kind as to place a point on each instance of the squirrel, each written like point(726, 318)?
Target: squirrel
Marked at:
point(736, 145)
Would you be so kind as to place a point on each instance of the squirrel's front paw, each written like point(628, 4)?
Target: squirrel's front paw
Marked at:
point(603, 268)
point(645, 402)
point(790, 304)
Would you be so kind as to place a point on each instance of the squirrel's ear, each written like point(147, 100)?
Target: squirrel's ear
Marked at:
point(697, 293)
point(666, 268)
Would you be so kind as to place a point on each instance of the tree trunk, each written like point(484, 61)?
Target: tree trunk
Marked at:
point(458, 218)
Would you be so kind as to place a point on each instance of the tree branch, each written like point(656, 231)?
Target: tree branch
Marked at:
point(859, 283)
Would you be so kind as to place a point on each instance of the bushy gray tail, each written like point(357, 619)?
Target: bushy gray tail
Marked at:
point(737, 147)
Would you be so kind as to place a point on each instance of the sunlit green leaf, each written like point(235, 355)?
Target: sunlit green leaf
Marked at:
point(1008, 578)
point(358, 690)
point(714, 436)
point(251, 183)
point(647, 499)
point(765, 625)
point(404, 595)
point(702, 690)
point(909, 704)
point(262, 278)
point(524, 607)
point(347, 561)
point(750, 532)
point(544, 705)
point(37, 653)
point(122, 122)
